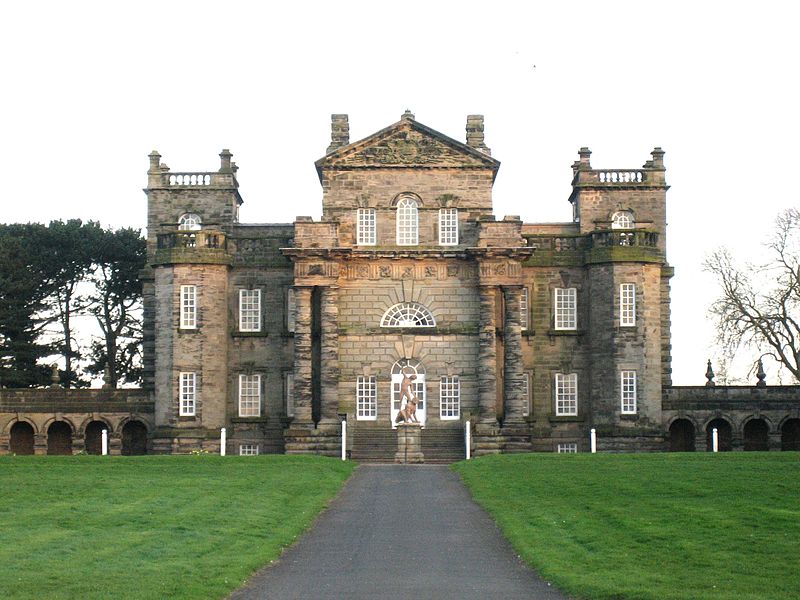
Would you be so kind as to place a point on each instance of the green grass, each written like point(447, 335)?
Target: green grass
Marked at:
point(152, 527)
point(650, 526)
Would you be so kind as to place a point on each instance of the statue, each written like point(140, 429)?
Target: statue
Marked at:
point(408, 411)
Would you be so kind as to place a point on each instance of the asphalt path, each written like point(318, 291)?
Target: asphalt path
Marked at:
point(400, 532)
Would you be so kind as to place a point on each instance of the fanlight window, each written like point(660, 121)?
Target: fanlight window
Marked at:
point(189, 222)
point(408, 314)
point(622, 220)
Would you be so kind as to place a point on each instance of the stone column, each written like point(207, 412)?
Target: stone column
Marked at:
point(329, 369)
point(513, 392)
point(302, 355)
point(487, 356)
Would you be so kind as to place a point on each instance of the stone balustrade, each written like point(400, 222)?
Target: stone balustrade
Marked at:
point(624, 237)
point(620, 176)
point(193, 179)
point(201, 238)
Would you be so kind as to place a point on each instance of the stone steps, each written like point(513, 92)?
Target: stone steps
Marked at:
point(379, 444)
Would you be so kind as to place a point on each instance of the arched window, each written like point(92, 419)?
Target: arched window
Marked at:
point(407, 222)
point(408, 314)
point(189, 222)
point(622, 219)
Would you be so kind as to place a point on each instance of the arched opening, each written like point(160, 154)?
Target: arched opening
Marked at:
point(59, 438)
point(681, 436)
point(93, 437)
point(756, 435)
point(724, 435)
point(790, 435)
point(134, 439)
point(414, 372)
point(21, 441)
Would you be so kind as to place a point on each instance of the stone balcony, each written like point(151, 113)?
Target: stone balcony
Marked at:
point(202, 246)
point(612, 245)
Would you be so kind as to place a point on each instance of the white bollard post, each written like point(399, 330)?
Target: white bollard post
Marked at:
point(593, 440)
point(223, 439)
point(468, 439)
point(104, 442)
point(344, 439)
point(714, 440)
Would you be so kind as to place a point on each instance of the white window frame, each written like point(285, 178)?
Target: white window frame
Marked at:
point(408, 314)
point(366, 227)
point(288, 393)
point(627, 305)
point(291, 309)
point(565, 309)
point(627, 392)
point(448, 226)
point(567, 448)
point(367, 398)
point(188, 307)
point(187, 394)
point(566, 394)
point(249, 310)
point(407, 222)
point(248, 449)
point(523, 309)
point(449, 398)
point(622, 219)
point(189, 222)
point(249, 395)
point(526, 390)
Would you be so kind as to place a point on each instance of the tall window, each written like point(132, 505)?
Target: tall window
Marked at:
point(627, 385)
point(566, 393)
point(188, 307)
point(291, 306)
point(188, 394)
point(407, 222)
point(526, 391)
point(249, 310)
point(448, 226)
point(288, 393)
point(449, 398)
point(523, 309)
point(565, 309)
point(627, 304)
point(367, 398)
point(366, 227)
point(249, 395)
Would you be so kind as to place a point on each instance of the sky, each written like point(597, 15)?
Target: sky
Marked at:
point(90, 88)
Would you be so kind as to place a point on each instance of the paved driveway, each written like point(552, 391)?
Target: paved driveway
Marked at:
point(400, 532)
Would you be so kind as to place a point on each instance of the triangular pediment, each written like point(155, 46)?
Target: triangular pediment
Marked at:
point(406, 144)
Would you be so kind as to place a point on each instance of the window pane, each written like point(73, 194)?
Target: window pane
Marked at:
point(249, 310)
point(566, 394)
point(565, 308)
point(627, 304)
point(407, 223)
point(188, 307)
point(188, 394)
point(248, 450)
point(291, 305)
point(366, 226)
point(288, 393)
point(408, 314)
point(366, 398)
point(628, 391)
point(249, 395)
point(523, 309)
point(449, 398)
point(448, 226)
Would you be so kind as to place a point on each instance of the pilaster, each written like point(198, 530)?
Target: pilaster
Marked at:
point(302, 356)
point(330, 354)
point(513, 382)
point(487, 356)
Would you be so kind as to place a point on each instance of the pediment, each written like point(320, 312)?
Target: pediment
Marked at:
point(407, 144)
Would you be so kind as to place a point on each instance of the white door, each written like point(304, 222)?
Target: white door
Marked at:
point(415, 370)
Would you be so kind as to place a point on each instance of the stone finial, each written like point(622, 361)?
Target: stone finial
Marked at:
point(475, 134)
point(761, 375)
point(340, 132)
point(658, 158)
point(584, 163)
point(155, 161)
point(55, 378)
point(408, 115)
point(225, 161)
point(710, 375)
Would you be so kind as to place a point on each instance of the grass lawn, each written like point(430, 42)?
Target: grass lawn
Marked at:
point(153, 526)
point(650, 526)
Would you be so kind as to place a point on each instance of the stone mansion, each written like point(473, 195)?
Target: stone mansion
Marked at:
point(535, 333)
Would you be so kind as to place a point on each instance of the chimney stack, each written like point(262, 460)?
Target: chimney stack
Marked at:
point(340, 132)
point(475, 134)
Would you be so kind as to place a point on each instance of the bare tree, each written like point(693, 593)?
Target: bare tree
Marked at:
point(759, 308)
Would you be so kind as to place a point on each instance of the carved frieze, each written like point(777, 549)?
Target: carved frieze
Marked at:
point(400, 271)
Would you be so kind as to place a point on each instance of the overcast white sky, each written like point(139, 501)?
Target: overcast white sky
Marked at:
point(90, 88)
